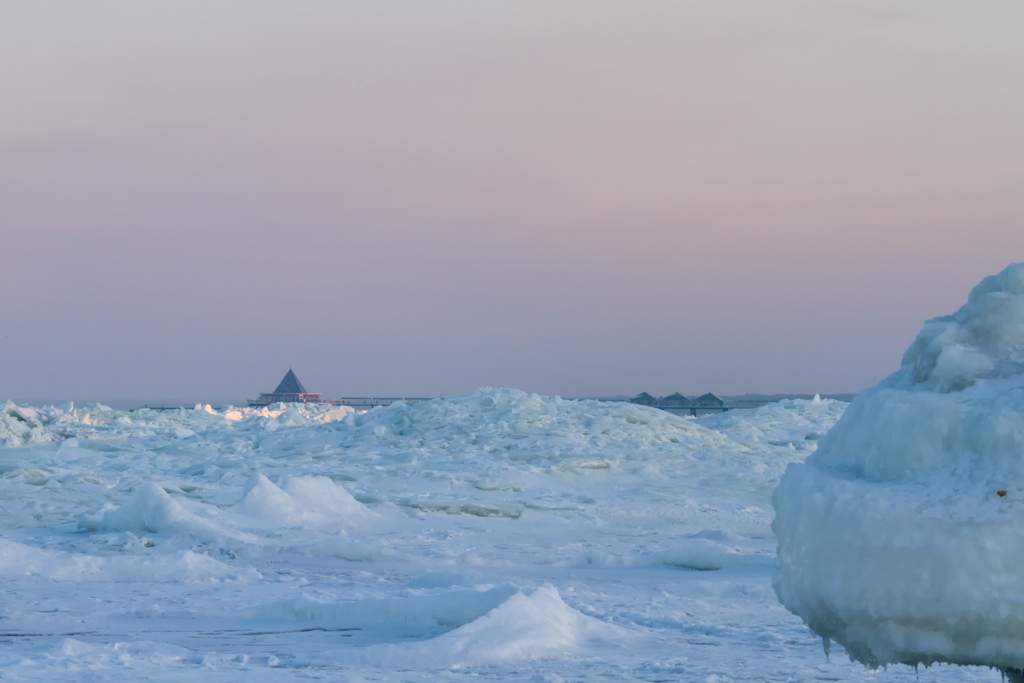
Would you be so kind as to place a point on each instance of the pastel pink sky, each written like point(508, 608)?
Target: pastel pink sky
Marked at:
point(420, 198)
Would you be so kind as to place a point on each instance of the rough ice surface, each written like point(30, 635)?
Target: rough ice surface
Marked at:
point(900, 537)
point(498, 535)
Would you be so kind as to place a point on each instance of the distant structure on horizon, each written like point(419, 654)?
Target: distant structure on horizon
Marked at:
point(677, 403)
point(677, 400)
point(290, 390)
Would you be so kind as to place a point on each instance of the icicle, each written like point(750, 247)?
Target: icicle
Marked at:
point(826, 644)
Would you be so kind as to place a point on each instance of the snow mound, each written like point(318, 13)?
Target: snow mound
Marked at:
point(791, 423)
point(527, 626)
point(900, 536)
point(529, 429)
point(301, 501)
point(154, 511)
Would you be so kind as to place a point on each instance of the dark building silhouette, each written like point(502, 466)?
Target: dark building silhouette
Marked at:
point(676, 400)
point(708, 400)
point(290, 390)
point(644, 399)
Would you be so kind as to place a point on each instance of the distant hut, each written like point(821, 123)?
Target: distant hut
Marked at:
point(644, 399)
point(290, 390)
point(708, 400)
point(676, 400)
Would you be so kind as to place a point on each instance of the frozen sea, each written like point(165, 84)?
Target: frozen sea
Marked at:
point(492, 536)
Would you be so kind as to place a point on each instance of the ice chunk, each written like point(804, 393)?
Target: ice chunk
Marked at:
point(900, 536)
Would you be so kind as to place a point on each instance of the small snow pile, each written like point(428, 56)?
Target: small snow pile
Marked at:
point(301, 501)
point(528, 626)
point(153, 510)
point(900, 537)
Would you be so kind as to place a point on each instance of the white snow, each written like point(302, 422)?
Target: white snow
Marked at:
point(900, 536)
point(498, 535)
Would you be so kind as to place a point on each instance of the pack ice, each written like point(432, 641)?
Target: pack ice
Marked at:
point(901, 536)
point(496, 536)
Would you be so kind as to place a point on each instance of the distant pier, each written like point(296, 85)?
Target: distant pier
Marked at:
point(372, 402)
point(291, 390)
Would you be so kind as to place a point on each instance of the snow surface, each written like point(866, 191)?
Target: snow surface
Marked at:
point(497, 535)
point(900, 537)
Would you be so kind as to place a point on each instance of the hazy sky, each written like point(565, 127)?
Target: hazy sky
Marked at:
point(420, 198)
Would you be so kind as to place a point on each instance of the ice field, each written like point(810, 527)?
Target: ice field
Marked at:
point(492, 536)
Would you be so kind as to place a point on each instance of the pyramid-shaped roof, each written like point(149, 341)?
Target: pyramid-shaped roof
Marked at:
point(290, 385)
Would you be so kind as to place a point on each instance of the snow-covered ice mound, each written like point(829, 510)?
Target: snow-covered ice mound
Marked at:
point(525, 627)
point(900, 537)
